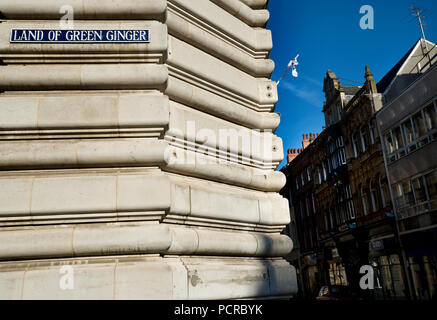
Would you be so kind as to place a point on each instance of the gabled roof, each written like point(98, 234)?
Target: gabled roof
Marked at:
point(390, 77)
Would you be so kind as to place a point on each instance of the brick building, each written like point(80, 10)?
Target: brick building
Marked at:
point(339, 192)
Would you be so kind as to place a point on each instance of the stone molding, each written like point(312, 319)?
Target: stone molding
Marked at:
point(253, 18)
point(184, 29)
point(108, 240)
point(129, 152)
point(255, 4)
point(111, 196)
point(149, 277)
point(89, 9)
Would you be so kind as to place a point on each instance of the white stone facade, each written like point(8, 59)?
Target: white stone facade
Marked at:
point(113, 160)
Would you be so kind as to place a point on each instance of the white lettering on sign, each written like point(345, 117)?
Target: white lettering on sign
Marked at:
point(79, 36)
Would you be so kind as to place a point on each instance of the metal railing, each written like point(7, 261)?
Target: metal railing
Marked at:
point(431, 60)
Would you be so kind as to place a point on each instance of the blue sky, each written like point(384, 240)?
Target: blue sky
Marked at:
point(327, 35)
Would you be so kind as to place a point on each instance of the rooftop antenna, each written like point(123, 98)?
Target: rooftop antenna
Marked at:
point(416, 12)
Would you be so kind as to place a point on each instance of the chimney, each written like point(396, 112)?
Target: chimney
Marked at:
point(292, 154)
point(305, 141)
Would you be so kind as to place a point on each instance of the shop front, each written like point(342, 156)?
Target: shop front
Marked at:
point(421, 251)
point(385, 260)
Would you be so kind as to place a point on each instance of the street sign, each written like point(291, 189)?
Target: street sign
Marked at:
point(79, 36)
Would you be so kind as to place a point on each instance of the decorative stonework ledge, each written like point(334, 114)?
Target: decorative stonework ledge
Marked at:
point(131, 239)
point(149, 277)
point(88, 9)
point(255, 4)
point(254, 18)
point(110, 195)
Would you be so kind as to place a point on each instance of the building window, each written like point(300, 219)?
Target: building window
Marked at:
point(320, 175)
point(398, 193)
point(372, 133)
point(363, 138)
point(355, 145)
point(395, 144)
point(417, 195)
point(431, 184)
point(415, 132)
point(364, 202)
point(342, 156)
point(340, 142)
point(407, 128)
point(324, 172)
point(419, 125)
point(430, 117)
point(384, 192)
point(297, 184)
point(419, 190)
point(309, 173)
point(389, 145)
point(334, 161)
point(350, 203)
point(313, 203)
point(398, 141)
point(408, 193)
point(374, 196)
point(332, 147)
point(431, 187)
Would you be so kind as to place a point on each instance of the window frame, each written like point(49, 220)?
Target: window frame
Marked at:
point(371, 133)
point(363, 139)
point(355, 145)
point(364, 201)
point(416, 142)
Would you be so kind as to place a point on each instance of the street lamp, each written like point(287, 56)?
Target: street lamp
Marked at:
point(291, 65)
